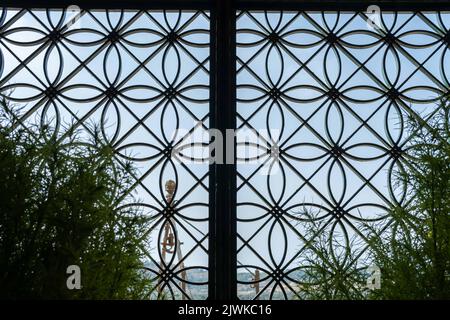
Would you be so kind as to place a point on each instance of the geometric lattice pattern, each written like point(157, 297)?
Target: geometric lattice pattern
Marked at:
point(331, 91)
point(337, 92)
point(139, 75)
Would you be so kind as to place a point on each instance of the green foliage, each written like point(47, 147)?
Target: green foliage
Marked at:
point(414, 252)
point(329, 271)
point(64, 202)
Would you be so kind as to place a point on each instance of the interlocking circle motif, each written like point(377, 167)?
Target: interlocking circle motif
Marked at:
point(139, 76)
point(338, 93)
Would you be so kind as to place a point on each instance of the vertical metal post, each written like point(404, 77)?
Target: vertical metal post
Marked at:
point(222, 242)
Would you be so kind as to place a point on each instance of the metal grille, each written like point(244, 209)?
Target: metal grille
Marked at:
point(139, 75)
point(335, 91)
point(331, 91)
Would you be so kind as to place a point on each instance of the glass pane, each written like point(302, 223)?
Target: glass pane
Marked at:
point(142, 77)
point(326, 95)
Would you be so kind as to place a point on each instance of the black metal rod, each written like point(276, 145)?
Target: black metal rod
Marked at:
point(415, 5)
point(344, 5)
point(223, 179)
point(108, 4)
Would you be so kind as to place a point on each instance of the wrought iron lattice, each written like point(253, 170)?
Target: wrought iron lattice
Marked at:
point(140, 75)
point(336, 91)
point(331, 91)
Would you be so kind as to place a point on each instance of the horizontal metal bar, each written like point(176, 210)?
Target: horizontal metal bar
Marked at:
point(111, 4)
point(344, 5)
